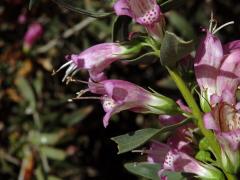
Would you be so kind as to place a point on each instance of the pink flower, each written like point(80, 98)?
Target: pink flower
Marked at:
point(231, 46)
point(97, 58)
point(33, 33)
point(119, 95)
point(144, 12)
point(224, 119)
point(215, 71)
point(207, 62)
point(177, 155)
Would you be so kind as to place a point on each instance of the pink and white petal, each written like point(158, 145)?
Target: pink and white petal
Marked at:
point(208, 59)
point(183, 106)
point(109, 86)
point(97, 77)
point(121, 8)
point(231, 46)
point(237, 106)
point(215, 99)
point(232, 138)
point(106, 118)
point(229, 73)
point(209, 122)
point(157, 152)
point(145, 12)
point(228, 97)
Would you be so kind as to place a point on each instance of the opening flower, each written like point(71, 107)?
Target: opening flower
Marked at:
point(216, 69)
point(97, 58)
point(224, 119)
point(119, 95)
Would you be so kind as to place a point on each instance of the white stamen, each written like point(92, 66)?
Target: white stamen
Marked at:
point(71, 68)
point(222, 26)
point(63, 66)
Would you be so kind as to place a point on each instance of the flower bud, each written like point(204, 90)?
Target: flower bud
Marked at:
point(33, 33)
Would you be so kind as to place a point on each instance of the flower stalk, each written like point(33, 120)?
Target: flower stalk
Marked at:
point(196, 112)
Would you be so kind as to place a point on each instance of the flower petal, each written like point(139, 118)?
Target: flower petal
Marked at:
point(209, 122)
point(232, 138)
point(121, 7)
point(229, 75)
point(145, 12)
point(207, 62)
point(231, 46)
point(106, 118)
point(157, 152)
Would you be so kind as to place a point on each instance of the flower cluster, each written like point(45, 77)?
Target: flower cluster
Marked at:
point(119, 95)
point(207, 147)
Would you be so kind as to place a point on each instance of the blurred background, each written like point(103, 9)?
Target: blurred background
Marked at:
point(42, 135)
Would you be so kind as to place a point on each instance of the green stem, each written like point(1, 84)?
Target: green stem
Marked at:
point(196, 112)
point(231, 176)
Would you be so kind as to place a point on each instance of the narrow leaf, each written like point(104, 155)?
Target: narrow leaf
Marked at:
point(173, 49)
point(144, 169)
point(130, 141)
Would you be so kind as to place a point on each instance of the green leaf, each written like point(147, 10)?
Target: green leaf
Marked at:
point(130, 141)
point(173, 49)
point(53, 153)
point(144, 169)
point(69, 4)
point(76, 116)
point(120, 28)
point(27, 92)
point(174, 175)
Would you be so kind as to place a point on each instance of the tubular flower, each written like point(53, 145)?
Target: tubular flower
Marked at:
point(144, 12)
point(216, 71)
point(97, 58)
point(224, 119)
point(177, 156)
point(33, 33)
point(119, 95)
